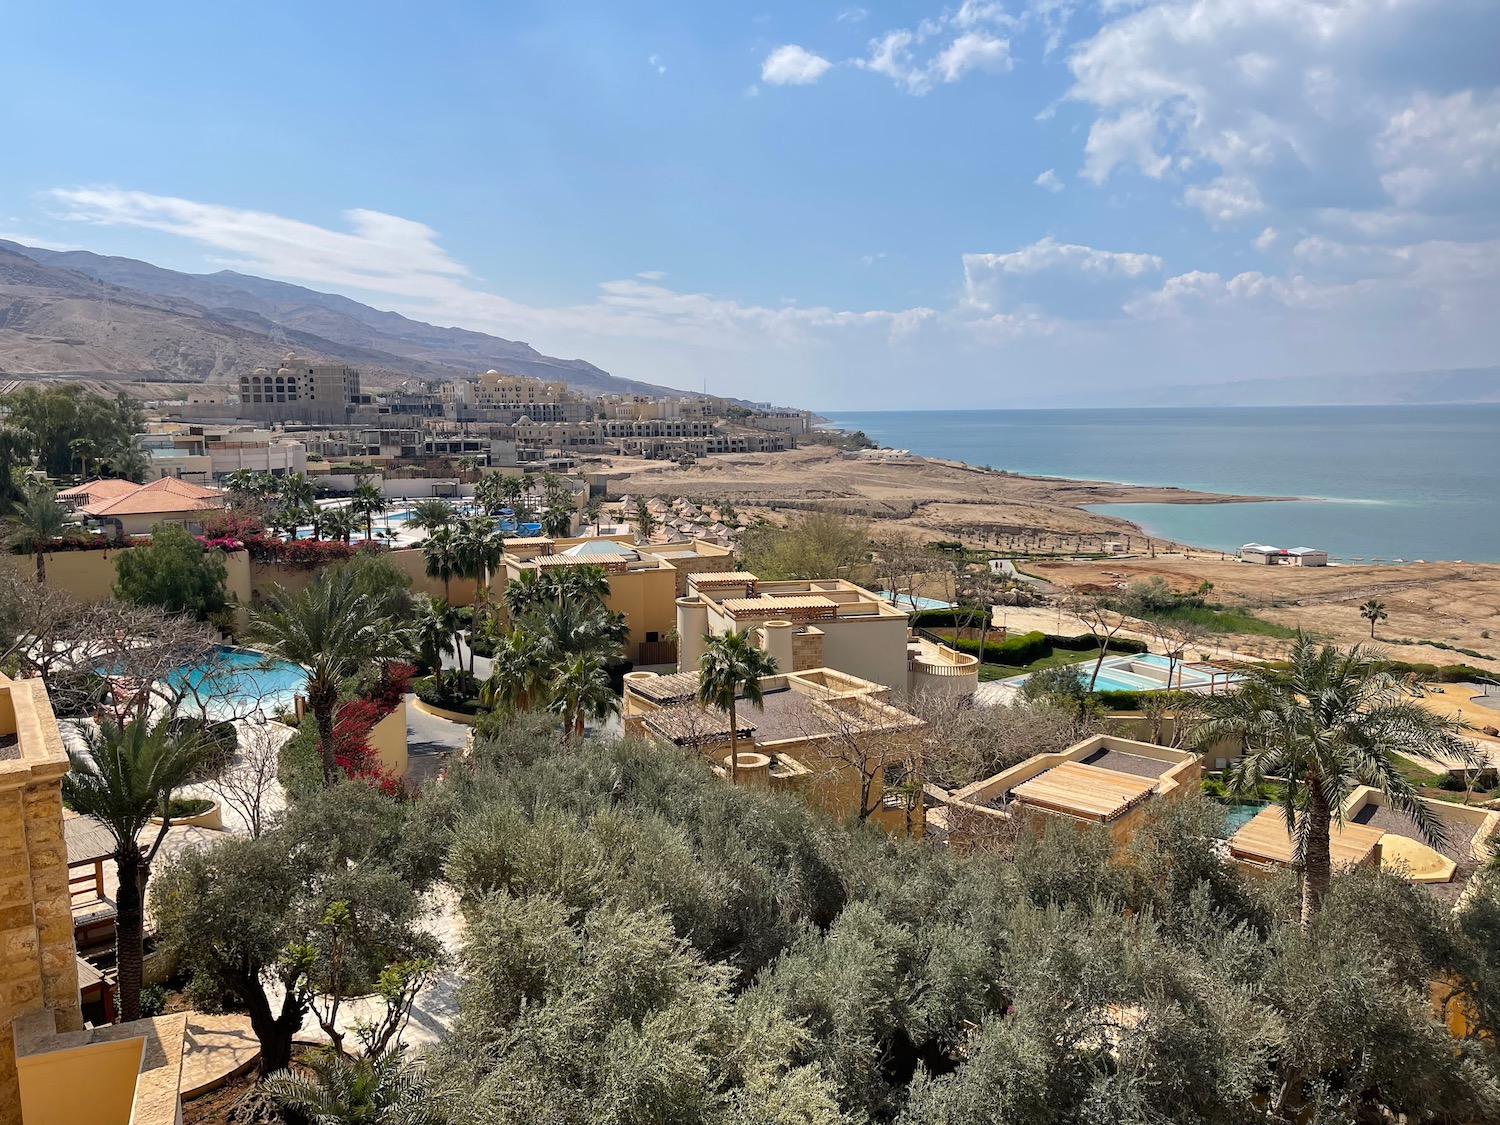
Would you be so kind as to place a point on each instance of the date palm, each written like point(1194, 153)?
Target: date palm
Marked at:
point(1373, 611)
point(580, 690)
point(368, 501)
point(443, 552)
point(339, 523)
point(732, 667)
point(430, 514)
point(331, 630)
point(337, 1090)
point(123, 776)
point(436, 634)
point(39, 521)
point(1330, 720)
point(520, 673)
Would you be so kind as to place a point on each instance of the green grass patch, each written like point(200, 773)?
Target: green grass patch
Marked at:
point(988, 672)
point(1439, 644)
point(1216, 619)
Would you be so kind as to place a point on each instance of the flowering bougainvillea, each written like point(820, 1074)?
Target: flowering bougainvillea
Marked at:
point(355, 720)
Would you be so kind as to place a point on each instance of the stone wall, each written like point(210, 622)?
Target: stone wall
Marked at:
point(38, 970)
point(807, 649)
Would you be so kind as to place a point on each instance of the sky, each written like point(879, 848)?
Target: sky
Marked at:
point(886, 206)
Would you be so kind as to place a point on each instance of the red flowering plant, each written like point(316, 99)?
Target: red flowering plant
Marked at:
point(355, 720)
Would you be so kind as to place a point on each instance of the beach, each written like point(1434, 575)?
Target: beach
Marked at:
point(926, 499)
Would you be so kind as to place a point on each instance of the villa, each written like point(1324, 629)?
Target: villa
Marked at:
point(55, 1070)
point(134, 509)
point(1102, 780)
point(828, 734)
point(1375, 835)
point(820, 623)
point(643, 581)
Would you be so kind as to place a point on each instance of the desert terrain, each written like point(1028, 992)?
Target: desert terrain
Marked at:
point(1455, 604)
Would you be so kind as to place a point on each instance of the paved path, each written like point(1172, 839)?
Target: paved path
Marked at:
point(216, 1049)
point(430, 743)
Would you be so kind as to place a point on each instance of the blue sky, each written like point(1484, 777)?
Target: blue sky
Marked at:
point(890, 205)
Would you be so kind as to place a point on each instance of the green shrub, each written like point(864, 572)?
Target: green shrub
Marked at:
point(458, 691)
point(1016, 651)
point(1120, 700)
point(180, 808)
point(299, 766)
point(153, 1001)
point(1087, 643)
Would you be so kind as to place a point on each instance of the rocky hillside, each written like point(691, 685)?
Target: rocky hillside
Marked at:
point(113, 320)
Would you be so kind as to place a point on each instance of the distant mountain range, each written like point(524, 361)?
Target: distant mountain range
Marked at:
point(109, 320)
point(1403, 388)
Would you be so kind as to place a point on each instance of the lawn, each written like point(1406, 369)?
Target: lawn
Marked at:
point(1219, 620)
point(988, 672)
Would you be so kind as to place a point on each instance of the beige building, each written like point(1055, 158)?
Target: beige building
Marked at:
point(301, 390)
point(495, 391)
point(820, 623)
point(53, 1069)
point(643, 582)
point(203, 454)
point(1102, 780)
point(122, 508)
point(833, 737)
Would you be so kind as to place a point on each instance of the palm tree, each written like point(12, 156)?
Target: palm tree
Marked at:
point(123, 777)
point(339, 523)
point(430, 514)
point(1373, 611)
point(297, 491)
point(38, 522)
point(573, 628)
point(332, 631)
point(593, 510)
point(127, 458)
point(528, 592)
point(487, 493)
point(383, 1090)
point(580, 690)
point(645, 522)
point(1329, 721)
point(369, 502)
point(15, 451)
point(436, 633)
point(443, 552)
point(557, 518)
point(584, 583)
point(82, 448)
point(481, 547)
point(511, 491)
point(519, 673)
point(732, 667)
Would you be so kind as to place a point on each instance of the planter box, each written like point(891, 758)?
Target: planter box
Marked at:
point(211, 817)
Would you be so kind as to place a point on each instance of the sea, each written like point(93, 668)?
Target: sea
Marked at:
point(1378, 483)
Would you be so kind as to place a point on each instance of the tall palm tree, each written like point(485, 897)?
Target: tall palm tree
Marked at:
point(512, 489)
point(332, 631)
point(297, 491)
point(645, 522)
point(82, 448)
point(1373, 611)
point(383, 1090)
point(481, 547)
point(488, 493)
point(436, 634)
point(15, 452)
point(557, 518)
point(1330, 720)
point(339, 523)
point(571, 628)
point(519, 673)
point(123, 777)
point(369, 502)
point(580, 690)
point(584, 583)
point(528, 592)
point(38, 522)
point(430, 514)
point(732, 667)
point(127, 458)
point(443, 552)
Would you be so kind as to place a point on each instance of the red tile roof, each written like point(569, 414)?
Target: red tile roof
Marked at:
point(165, 495)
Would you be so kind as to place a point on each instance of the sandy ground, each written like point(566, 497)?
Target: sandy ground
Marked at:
point(1453, 603)
point(929, 497)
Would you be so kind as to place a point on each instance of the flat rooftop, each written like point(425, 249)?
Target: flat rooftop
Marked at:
point(1088, 791)
point(1119, 761)
point(1264, 840)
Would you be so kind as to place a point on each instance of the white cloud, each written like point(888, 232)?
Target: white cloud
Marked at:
point(1064, 280)
point(1266, 239)
point(37, 241)
point(852, 15)
point(1049, 254)
point(1127, 138)
point(1049, 180)
point(792, 65)
point(1438, 149)
point(655, 62)
point(1224, 200)
point(972, 50)
point(651, 275)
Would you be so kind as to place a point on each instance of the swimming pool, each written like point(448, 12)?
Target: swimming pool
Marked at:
point(1146, 671)
point(915, 601)
point(1237, 814)
point(240, 679)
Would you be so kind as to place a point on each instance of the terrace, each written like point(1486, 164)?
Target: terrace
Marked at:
point(1102, 780)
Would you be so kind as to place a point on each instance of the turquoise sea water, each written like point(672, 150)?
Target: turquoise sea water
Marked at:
point(1407, 482)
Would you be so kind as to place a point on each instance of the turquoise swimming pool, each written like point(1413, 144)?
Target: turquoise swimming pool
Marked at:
point(1237, 814)
point(242, 678)
point(1147, 671)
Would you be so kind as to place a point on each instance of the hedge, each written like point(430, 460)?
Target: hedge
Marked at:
point(1023, 649)
point(1087, 643)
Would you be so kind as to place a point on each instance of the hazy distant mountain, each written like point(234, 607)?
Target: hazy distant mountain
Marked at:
point(90, 316)
point(1462, 385)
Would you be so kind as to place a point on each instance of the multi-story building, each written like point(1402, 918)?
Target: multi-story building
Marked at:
point(819, 623)
point(204, 454)
point(53, 1069)
point(301, 390)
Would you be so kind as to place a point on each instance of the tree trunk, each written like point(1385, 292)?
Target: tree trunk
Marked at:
point(274, 1032)
point(128, 926)
point(324, 700)
point(1099, 663)
point(41, 570)
point(1317, 863)
point(734, 745)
